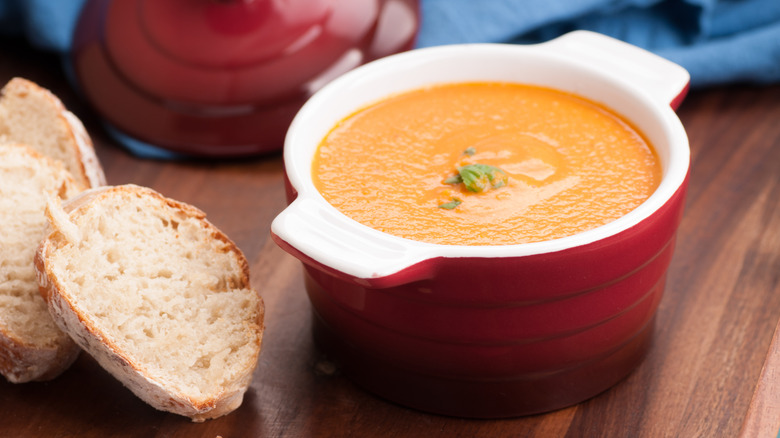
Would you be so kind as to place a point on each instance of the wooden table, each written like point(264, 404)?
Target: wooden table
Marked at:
point(714, 326)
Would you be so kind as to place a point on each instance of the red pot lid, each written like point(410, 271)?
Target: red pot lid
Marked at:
point(175, 65)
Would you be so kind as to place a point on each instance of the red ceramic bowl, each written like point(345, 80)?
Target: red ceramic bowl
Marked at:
point(491, 331)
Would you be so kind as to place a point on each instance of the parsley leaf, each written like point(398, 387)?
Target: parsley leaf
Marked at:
point(452, 204)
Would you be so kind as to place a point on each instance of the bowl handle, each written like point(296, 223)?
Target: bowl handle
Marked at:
point(327, 240)
point(660, 78)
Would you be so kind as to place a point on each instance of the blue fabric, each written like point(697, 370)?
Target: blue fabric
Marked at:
point(717, 41)
point(47, 24)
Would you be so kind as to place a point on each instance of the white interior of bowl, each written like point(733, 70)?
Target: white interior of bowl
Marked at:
point(640, 92)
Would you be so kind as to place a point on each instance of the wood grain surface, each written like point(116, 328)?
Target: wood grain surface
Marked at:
point(714, 327)
point(764, 411)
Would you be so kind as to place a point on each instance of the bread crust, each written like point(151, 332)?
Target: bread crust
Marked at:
point(91, 169)
point(157, 392)
point(90, 172)
point(21, 362)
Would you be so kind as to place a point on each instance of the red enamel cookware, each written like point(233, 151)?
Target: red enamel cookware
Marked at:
point(223, 78)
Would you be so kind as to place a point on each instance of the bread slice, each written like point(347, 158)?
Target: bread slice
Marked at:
point(34, 116)
point(31, 345)
point(157, 295)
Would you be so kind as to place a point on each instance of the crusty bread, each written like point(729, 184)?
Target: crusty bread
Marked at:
point(156, 294)
point(34, 116)
point(31, 345)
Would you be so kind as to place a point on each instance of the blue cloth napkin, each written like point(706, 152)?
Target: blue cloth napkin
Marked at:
point(717, 41)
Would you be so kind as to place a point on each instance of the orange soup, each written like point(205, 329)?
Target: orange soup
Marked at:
point(485, 164)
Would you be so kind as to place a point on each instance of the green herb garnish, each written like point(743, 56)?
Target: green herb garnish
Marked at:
point(479, 177)
point(452, 204)
point(455, 179)
point(470, 151)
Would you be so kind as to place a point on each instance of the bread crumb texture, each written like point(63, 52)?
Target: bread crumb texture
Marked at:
point(32, 115)
point(165, 287)
point(26, 180)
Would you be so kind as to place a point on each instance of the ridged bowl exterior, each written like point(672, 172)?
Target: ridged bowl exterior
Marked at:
point(489, 337)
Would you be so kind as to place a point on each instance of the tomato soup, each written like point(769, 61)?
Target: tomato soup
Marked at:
point(485, 164)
